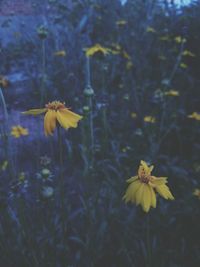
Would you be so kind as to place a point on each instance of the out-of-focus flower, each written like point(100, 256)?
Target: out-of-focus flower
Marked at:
point(149, 119)
point(138, 132)
point(195, 116)
point(42, 32)
point(125, 149)
point(172, 93)
point(4, 165)
point(183, 65)
point(61, 53)
point(45, 160)
point(126, 97)
point(121, 22)
point(3, 82)
point(188, 53)
point(179, 40)
point(197, 193)
point(133, 115)
point(126, 55)
point(129, 65)
point(150, 29)
point(90, 51)
point(158, 95)
point(47, 191)
point(165, 38)
point(45, 172)
point(18, 131)
point(161, 57)
point(21, 177)
point(56, 111)
point(143, 187)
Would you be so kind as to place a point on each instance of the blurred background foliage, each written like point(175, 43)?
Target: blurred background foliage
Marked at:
point(135, 99)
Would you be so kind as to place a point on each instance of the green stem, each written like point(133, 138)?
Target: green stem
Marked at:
point(148, 242)
point(4, 105)
point(43, 93)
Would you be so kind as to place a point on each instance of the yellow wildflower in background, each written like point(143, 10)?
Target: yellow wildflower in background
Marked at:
point(143, 187)
point(121, 22)
point(188, 53)
point(133, 115)
point(56, 112)
point(165, 38)
point(18, 131)
point(197, 193)
point(183, 66)
point(179, 39)
point(195, 116)
point(149, 119)
point(3, 82)
point(60, 53)
point(150, 29)
point(172, 93)
point(4, 165)
point(96, 48)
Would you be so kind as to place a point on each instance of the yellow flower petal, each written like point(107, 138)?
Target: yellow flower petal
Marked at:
point(69, 118)
point(164, 191)
point(146, 198)
point(132, 179)
point(35, 111)
point(139, 195)
point(131, 191)
point(48, 118)
point(153, 197)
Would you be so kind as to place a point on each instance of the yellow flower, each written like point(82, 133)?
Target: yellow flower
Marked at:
point(17, 131)
point(161, 57)
point(133, 115)
point(197, 193)
point(96, 48)
point(172, 93)
point(60, 53)
point(150, 119)
point(129, 65)
point(195, 116)
point(165, 38)
point(143, 187)
point(121, 22)
point(56, 112)
point(179, 39)
point(3, 82)
point(188, 53)
point(4, 165)
point(150, 29)
point(183, 65)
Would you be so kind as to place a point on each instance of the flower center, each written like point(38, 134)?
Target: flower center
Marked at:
point(143, 176)
point(55, 105)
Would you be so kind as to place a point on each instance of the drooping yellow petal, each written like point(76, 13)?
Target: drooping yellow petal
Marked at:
point(153, 197)
point(68, 118)
point(53, 120)
point(62, 120)
point(146, 198)
point(164, 191)
point(35, 111)
point(159, 181)
point(48, 118)
point(131, 191)
point(132, 179)
point(139, 195)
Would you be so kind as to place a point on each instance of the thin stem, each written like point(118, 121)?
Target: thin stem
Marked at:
point(43, 95)
point(4, 105)
point(148, 241)
point(88, 77)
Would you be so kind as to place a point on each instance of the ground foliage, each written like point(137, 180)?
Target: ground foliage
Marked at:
point(61, 200)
